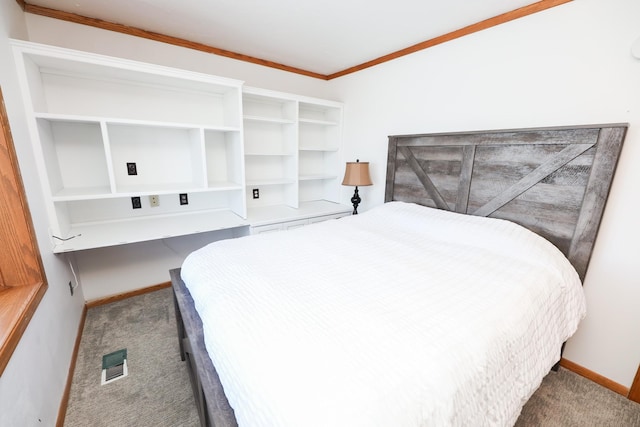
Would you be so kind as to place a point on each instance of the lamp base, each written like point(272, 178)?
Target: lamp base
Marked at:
point(355, 200)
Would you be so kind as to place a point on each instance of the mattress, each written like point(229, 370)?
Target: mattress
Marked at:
point(403, 315)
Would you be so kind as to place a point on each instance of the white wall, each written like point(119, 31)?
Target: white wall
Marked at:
point(568, 65)
point(33, 382)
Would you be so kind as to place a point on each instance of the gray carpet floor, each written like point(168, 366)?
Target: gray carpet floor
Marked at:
point(566, 399)
point(157, 391)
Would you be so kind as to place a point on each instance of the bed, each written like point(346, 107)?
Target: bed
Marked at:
point(446, 305)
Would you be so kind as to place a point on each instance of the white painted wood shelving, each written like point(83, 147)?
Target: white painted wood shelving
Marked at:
point(110, 134)
point(292, 152)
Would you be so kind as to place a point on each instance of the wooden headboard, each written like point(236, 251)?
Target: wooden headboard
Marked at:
point(553, 181)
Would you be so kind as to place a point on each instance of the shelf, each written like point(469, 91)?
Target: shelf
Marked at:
point(321, 114)
point(318, 122)
point(83, 65)
point(64, 81)
point(120, 232)
point(258, 183)
point(273, 120)
point(133, 122)
point(268, 106)
point(270, 137)
point(319, 148)
point(316, 177)
point(223, 186)
point(265, 215)
point(274, 154)
point(82, 193)
point(96, 193)
point(141, 190)
point(318, 138)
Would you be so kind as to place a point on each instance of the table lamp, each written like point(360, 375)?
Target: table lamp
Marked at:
point(356, 173)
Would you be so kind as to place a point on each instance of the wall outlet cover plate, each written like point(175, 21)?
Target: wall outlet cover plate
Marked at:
point(132, 169)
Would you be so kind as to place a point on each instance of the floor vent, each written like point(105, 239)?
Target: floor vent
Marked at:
point(114, 366)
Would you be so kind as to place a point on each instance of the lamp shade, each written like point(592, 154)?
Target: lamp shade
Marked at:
point(357, 173)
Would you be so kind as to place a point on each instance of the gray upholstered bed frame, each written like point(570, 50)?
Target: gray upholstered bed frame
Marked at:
point(554, 181)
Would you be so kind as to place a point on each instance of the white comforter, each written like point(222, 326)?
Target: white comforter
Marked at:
point(400, 316)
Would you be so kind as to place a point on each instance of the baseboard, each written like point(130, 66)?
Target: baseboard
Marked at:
point(120, 297)
point(595, 377)
point(62, 411)
point(634, 392)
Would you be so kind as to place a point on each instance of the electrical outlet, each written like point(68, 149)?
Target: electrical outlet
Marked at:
point(154, 201)
point(132, 169)
point(184, 199)
point(256, 193)
point(136, 203)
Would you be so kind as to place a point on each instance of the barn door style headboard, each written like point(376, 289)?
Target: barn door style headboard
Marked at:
point(553, 181)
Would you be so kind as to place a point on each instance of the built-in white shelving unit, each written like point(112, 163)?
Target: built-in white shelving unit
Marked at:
point(320, 164)
point(129, 151)
point(270, 143)
point(292, 152)
point(92, 116)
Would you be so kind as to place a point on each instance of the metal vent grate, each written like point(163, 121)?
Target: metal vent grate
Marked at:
point(114, 366)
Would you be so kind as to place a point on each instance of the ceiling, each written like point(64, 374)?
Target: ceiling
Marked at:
point(321, 38)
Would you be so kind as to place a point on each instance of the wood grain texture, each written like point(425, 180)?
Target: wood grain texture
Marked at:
point(464, 185)
point(22, 278)
point(595, 377)
point(596, 193)
point(20, 257)
point(211, 402)
point(426, 182)
point(64, 402)
point(554, 181)
point(549, 166)
point(125, 295)
point(634, 392)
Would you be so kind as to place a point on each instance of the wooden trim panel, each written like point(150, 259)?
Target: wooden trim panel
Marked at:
point(634, 392)
point(120, 297)
point(17, 306)
point(137, 32)
point(22, 279)
point(595, 377)
point(62, 412)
